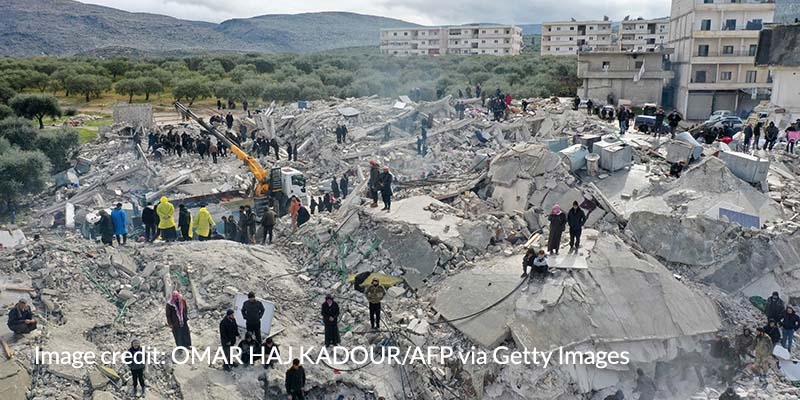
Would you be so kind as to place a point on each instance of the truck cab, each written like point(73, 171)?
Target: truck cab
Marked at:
point(284, 183)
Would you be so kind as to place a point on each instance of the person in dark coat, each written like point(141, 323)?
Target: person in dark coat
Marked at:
point(184, 222)
point(374, 182)
point(134, 358)
point(335, 188)
point(241, 226)
point(757, 134)
point(576, 102)
point(20, 318)
point(790, 323)
point(344, 184)
point(330, 317)
point(268, 218)
point(729, 394)
point(575, 218)
point(339, 134)
point(385, 182)
point(274, 144)
point(251, 350)
point(771, 136)
point(295, 380)
point(774, 307)
point(558, 221)
point(660, 115)
point(773, 331)
point(178, 320)
point(344, 133)
point(150, 221)
point(314, 205)
point(622, 117)
point(289, 151)
point(229, 120)
point(271, 353)
point(228, 332)
point(252, 311)
point(106, 228)
point(589, 106)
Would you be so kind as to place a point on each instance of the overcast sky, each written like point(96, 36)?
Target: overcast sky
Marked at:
point(427, 12)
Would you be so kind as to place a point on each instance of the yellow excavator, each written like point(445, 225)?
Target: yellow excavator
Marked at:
point(273, 186)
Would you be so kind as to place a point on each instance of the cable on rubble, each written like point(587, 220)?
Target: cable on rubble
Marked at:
point(487, 308)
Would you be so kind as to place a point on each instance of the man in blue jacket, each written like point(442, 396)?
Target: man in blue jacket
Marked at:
point(20, 318)
point(120, 220)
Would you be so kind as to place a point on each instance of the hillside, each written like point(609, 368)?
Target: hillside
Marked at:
point(66, 27)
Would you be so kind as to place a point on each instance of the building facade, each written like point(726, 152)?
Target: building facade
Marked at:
point(715, 43)
point(777, 50)
point(643, 34)
point(610, 76)
point(566, 38)
point(498, 40)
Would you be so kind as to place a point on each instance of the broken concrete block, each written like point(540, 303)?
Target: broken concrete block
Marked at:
point(14, 380)
point(396, 291)
point(746, 167)
point(476, 234)
point(66, 372)
point(102, 395)
point(97, 380)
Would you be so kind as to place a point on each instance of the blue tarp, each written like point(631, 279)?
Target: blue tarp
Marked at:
point(745, 220)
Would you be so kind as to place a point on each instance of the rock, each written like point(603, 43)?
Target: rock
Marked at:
point(125, 294)
point(396, 291)
point(66, 372)
point(97, 380)
point(102, 395)
point(14, 380)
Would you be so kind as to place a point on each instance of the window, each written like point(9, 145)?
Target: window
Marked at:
point(730, 25)
point(705, 25)
point(727, 50)
point(572, 28)
point(495, 31)
point(558, 28)
point(558, 49)
point(708, 1)
point(394, 34)
point(570, 49)
point(700, 76)
point(495, 40)
point(638, 64)
point(752, 50)
point(483, 41)
point(606, 65)
point(570, 39)
point(484, 31)
point(702, 50)
point(661, 37)
point(725, 76)
point(495, 51)
point(591, 28)
point(751, 76)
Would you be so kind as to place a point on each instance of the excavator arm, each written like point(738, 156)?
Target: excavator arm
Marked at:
point(260, 173)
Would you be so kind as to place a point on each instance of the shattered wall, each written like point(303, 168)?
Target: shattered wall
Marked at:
point(134, 114)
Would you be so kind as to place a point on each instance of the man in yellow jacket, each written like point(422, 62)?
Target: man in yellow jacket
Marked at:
point(203, 223)
point(166, 223)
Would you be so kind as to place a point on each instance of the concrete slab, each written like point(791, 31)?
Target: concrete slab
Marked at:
point(475, 289)
point(412, 211)
point(14, 380)
point(10, 239)
point(745, 166)
point(411, 251)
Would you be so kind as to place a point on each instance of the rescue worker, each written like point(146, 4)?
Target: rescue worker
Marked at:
point(344, 184)
point(774, 307)
point(744, 344)
point(375, 293)
point(204, 224)
point(185, 222)
point(166, 220)
point(330, 317)
point(120, 220)
point(575, 218)
point(558, 221)
point(178, 320)
point(20, 318)
point(527, 261)
point(773, 331)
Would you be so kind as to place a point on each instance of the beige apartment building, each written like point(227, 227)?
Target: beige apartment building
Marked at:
point(715, 43)
point(498, 40)
point(566, 38)
point(610, 75)
point(643, 34)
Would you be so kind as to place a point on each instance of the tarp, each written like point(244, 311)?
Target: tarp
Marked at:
point(385, 280)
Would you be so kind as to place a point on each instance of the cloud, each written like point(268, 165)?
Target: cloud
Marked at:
point(427, 12)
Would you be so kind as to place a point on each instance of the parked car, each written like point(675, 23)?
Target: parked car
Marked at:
point(647, 123)
point(720, 113)
point(729, 121)
point(649, 109)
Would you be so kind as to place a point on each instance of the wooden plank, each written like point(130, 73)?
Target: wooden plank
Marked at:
point(7, 349)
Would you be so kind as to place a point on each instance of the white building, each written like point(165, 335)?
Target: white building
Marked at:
point(498, 40)
point(643, 34)
point(715, 44)
point(566, 38)
point(777, 50)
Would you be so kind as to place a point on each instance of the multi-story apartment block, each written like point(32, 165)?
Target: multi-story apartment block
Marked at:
point(566, 38)
point(610, 75)
point(498, 40)
point(643, 34)
point(777, 50)
point(715, 44)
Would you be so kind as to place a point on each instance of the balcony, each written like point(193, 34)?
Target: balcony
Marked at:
point(740, 5)
point(719, 57)
point(738, 33)
point(727, 85)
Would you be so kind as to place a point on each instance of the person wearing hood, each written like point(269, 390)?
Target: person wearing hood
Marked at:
point(178, 320)
point(150, 221)
point(790, 323)
point(250, 349)
point(729, 394)
point(120, 220)
point(744, 344)
point(231, 232)
point(558, 221)
point(385, 182)
point(185, 222)
point(575, 218)
point(228, 332)
point(374, 182)
point(773, 331)
point(335, 187)
point(330, 317)
point(271, 352)
point(134, 358)
point(106, 228)
point(204, 224)
point(20, 318)
point(774, 307)
point(166, 220)
point(763, 349)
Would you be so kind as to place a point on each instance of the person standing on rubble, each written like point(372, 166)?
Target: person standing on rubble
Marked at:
point(150, 221)
point(268, 219)
point(774, 307)
point(344, 133)
point(773, 331)
point(212, 149)
point(204, 224)
point(558, 221)
point(375, 294)
point(289, 150)
point(274, 144)
point(763, 350)
point(228, 332)
point(120, 220)
point(20, 318)
point(185, 222)
point(589, 106)
point(271, 352)
point(330, 317)
point(166, 220)
point(757, 133)
point(295, 380)
point(106, 227)
point(178, 320)
point(374, 182)
point(344, 184)
point(385, 183)
point(229, 120)
point(790, 323)
point(575, 218)
point(576, 102)
point(645, 386)
point(744, 344)
point(230, 229)
point(771, 136)
point(241, 226)
point(335, 187)
point(338, 133)
point(748, 136)
point(468, 91)
point(660, 115)
point(134, 358)
point(294, 208)
point(674, 119)
point(622, 117)
point(252, 311)
point(251, 224)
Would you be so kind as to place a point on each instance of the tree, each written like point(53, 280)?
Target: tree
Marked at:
point(19, 132)
point(226, 90)
point(242, 72)
point(191, 90)
point(128, 87)
point(35, 106)
point(24, 173)
point(5, 111)
point(58, 145)
point(116, 67)
point(88, 85)
point(6, 93)
point(150, 85)
point(252, 88)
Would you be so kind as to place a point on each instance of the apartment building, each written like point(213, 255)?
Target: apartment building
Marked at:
point(566, 38)
point(715, 43)
point(498, 40)
point(643, 34)
point(608, 76)
point(777, 50)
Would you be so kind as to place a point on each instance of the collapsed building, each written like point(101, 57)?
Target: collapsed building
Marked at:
point(666, 264)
